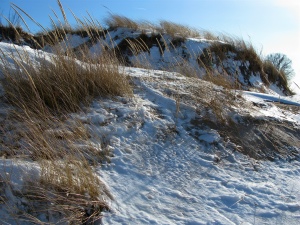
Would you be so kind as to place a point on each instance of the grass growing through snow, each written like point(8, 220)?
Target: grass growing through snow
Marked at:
point(44, 90)
point(116, 21)
point(222, 48)
point(77, 195)
point(61, 84)
point(175, 30)
point(67, 188)
point(252, 63)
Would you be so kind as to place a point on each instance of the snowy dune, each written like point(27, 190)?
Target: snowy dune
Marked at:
point(163, 175)
point(169, 167)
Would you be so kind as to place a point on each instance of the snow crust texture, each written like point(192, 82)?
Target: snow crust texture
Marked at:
point(162, 173)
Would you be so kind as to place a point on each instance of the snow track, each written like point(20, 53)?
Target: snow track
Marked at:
point(162, 174)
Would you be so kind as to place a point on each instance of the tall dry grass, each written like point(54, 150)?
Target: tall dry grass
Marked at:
point(62, 84)
point(68, 187)
point(69, 191)
point(251, 62)
point(43, 92)
point(116, 21)
point(178, 30)
point(221, 48)
point(175, 30)
point(64, 192)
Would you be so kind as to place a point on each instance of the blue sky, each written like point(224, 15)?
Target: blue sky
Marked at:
point(271, 25)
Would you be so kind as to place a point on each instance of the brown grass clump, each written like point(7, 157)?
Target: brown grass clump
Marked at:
point(178, 30)
point(69, 190)
point(64, 192)
point(62, 84)
point(222, 80)
point(208, 35)
point(275, 76)
point(15, 34)
point(116, 21)
point(10, 33)
point(175, 30)
point(240, 51)
point(185, 68)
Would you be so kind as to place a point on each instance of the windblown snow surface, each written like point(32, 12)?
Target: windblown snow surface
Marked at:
point(168, 169)
point(164, 171)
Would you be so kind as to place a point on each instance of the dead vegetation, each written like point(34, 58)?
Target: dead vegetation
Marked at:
point(70, 190)
point(265, 140)
point(178, 30)
point(221, 109)
point(43, 92)
point(116, 21)
point(61, 84)
point(67, 187)
point(251, 63)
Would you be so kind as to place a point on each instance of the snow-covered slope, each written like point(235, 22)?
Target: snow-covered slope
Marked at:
point(186, 151)
point(164, 171)
point(190, 56)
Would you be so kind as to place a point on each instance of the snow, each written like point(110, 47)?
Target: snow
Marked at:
point(160, 174)
point(14, 173)
point(271, 98)
point(167, 171)
point(256, 81)
point(267, 109)
point(10, 52)
point(70, 40)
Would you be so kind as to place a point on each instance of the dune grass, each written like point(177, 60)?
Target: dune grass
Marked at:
point(44, 91)
point(62, 84)
point(222, 45)
point(116, 21)
point(68, 190)
point(178, 30)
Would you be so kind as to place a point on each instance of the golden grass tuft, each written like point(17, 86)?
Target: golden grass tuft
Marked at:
point(69, 189)
point(238, 50)
point(178, 30)
point(116, 21)
point(62, 84)
point(64, 192)
point(173, 29)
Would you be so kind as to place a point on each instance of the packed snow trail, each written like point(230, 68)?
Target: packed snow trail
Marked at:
point(161, 173)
